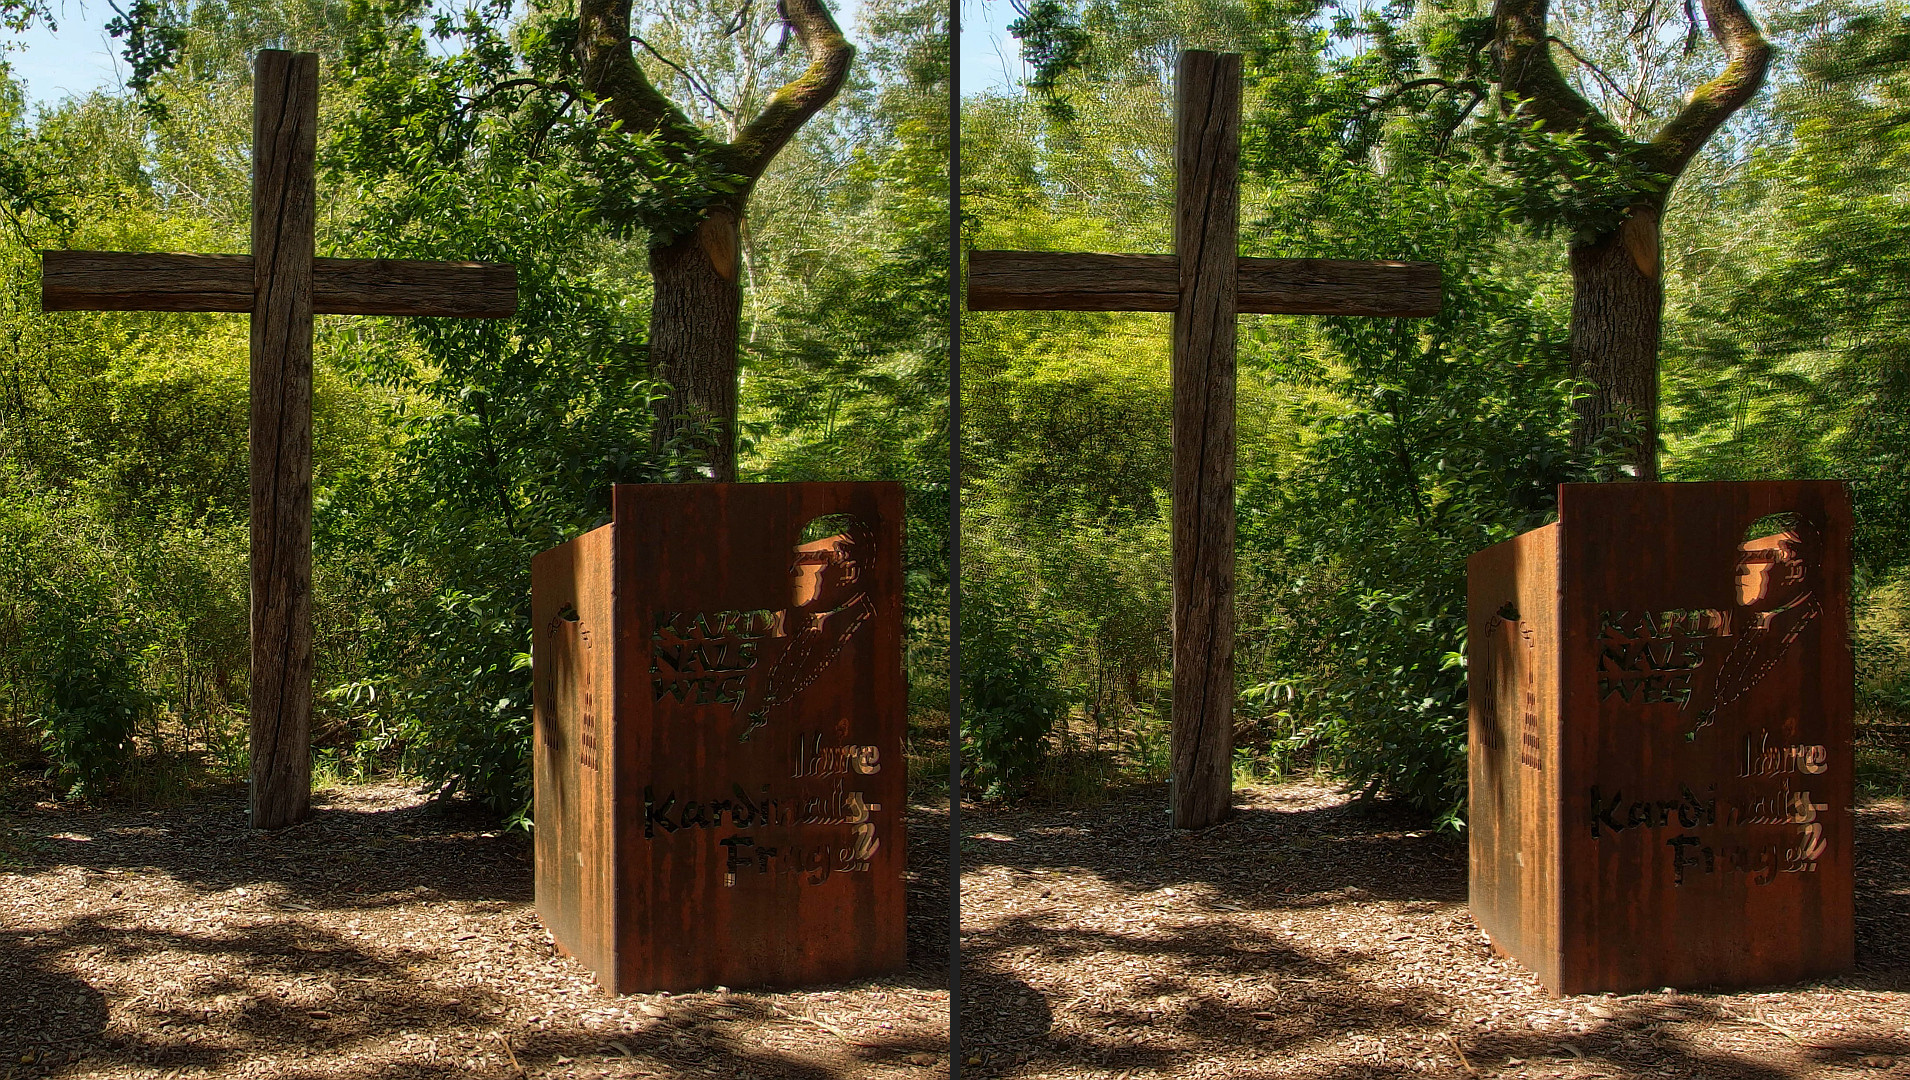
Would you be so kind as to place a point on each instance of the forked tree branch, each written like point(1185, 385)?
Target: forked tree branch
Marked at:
point(1748, 57)
point(1600, 74)
point(1378, 104)
point(1522, 48)
point(695, 84)
point(792, 106)
point(610, 71)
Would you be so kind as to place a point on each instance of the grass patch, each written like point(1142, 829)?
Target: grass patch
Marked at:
point(1076, 777)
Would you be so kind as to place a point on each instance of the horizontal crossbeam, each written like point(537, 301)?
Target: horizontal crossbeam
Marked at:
point(1043, 281)
point(117, 281)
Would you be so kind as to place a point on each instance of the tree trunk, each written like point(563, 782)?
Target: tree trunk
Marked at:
point(693, 331)
point(1617, 310)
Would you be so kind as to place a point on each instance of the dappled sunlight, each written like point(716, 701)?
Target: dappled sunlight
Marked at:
point(384, 937)
point(1312, 938)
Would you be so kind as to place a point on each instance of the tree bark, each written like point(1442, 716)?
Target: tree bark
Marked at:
point(698, 302)
point(1617, 315)
point(693, 334)
point(1617, 297)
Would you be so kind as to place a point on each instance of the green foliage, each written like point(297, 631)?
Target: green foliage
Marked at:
point(509, 432)
point(122, 475)
point(73, 649)
point(1375, 454)
point(424, 114)
point(153, 44)
point(1054, 44)
point(1434, 438)
point(93, 698)
point(447, 451)
point(1563, 182)
point(1011, 692)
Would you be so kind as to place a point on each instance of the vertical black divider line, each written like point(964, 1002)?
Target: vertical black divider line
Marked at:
point(954, 539)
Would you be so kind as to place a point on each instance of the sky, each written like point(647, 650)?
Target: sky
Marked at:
point(75, 60)
point(991, 57)
point(80, 57)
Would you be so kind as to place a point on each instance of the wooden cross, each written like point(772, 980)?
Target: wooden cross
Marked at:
point(1205, 284)
point(282, 285)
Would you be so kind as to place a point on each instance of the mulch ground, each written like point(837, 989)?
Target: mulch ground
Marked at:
point(1310, 938)
point(384, 938)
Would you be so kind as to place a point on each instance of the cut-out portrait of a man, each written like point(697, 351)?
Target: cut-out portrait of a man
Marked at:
point(1777, 587)
point(829, 602)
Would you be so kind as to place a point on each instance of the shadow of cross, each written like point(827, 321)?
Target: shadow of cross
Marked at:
point(1205, 283)
point(282, 285)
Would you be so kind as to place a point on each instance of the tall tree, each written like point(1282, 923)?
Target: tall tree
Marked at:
point(1617, 285)
point(697, 302)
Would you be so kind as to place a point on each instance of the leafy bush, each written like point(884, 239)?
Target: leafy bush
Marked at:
point(1011, 692)
point(509, 432)
point(1422, 441)
point(73, 647)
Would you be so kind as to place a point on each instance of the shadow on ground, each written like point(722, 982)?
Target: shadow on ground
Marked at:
point(380, 938)
point(1206, 983)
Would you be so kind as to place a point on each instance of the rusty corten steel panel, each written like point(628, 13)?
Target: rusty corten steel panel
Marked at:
point(1692, 737)
point(572, 737)
point(1512, 594)
point(758, 784)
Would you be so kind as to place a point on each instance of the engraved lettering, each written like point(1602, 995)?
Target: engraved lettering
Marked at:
point(654, 815)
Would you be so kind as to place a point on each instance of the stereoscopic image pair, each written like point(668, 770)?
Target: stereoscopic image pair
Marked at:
point(1084, 540)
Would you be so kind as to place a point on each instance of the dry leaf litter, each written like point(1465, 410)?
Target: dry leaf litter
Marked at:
point(1311, 938)
point(384, 938)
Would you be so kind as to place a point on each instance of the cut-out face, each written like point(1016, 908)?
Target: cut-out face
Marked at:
point(827, 573)
point(1754, 576)
point(1776, 570)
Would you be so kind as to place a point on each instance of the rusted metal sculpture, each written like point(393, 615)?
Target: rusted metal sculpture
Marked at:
point(1205, 283)
point(718, 749)
point(282, 286)
point(1661, 741)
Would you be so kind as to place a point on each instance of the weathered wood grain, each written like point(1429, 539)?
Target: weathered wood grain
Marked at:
point(468, 290)
point(284, 201)
point(1055, 281)
point(165, 281)
point(1338, 287)
point(1066, 281)
point(1206, 238)
point(118, 281)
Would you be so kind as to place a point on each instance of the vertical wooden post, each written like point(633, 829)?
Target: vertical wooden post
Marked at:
point(281, 285)
point(1206, 241)
point(284, 198)
point(1203, 283)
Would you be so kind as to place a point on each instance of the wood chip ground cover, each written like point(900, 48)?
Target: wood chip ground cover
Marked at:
point(1311, 939)
point(1307, 939)
point(382, 938)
